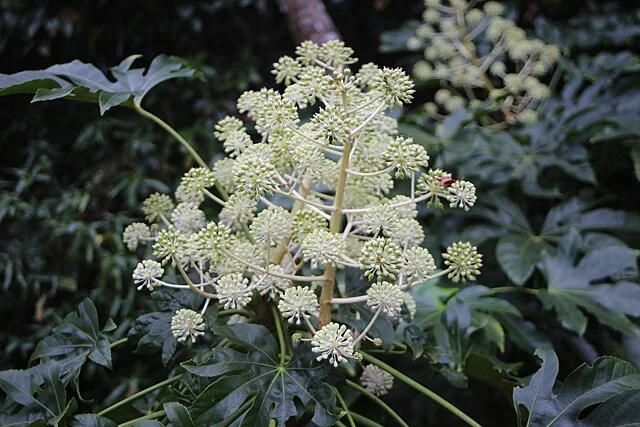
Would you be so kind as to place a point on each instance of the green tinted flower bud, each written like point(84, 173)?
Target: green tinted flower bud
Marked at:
point(464, 260)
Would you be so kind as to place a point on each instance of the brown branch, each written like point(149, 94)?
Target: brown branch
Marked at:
point(309, 20)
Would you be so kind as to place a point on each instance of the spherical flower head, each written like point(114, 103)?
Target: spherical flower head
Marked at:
point(233, 291)
point(223, 172)
point(297, 95)
point(333, 342)
point(417, 264)
point(422, 70)
point(435, 183)
point(406, 209)
point(157, 206)
point(187, 324)
point(306, 222)
point(252, 102)
point(381, 258)
point(405, 232)
point(276, 113)
point(323, 248)
point(238, 210)
point(498, 68)
point(463, 260)
point(187, 218)
point(405, 157)
point(379, 218)
point(493, 8)
point(212, 240)
point(227, 126)
point(454, 103)
point(308, 158)
point(366, 74)
point(271, 285)
point(474, 16)
point(395, 86)
point(298, 302)
point(376, 380)
point(254, 177)
point(330, 125)
point(145, 273)
point(271, 226)
point(308, 52)
point(386, 297)
point(286, 70)
point(315, 83)
point(236, 142)
point(171, 245)
point(193, 183)
point(441, 96)
point(462, 194)
point(550, 54)
point(134, 234)
point(335, 54)
point(431, 16)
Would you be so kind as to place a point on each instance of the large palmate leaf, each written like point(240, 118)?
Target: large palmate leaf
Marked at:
point(257, 382)
point(152, 331)
point(520, 247)
point(610, 384)
point(34, 394)
point(571, 287)
point(499, 158)
point(84, 82)
point(75, 340)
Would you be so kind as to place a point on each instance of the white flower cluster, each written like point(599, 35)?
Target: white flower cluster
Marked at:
point(308, 197)
point(484, 58)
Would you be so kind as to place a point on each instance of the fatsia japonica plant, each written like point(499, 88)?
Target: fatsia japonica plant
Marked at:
point(303, 203)
point(272, 311)
point(483, 61)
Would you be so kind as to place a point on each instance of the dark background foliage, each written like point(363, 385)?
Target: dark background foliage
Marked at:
point(70, 180)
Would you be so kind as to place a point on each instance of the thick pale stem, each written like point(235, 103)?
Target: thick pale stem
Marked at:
point(335, 224)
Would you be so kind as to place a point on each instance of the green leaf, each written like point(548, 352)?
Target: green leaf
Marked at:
point(523, 333)
point(256, 377)
point(91, 420)
point(610, 383)
point(178, 415)
point(574, 213)
point(75, 340)
point(152, 331)
point(34, 394)
point(518, 256)
point(84, 82)
point(570, 288)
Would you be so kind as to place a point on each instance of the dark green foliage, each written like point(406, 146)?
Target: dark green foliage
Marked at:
point(151, 332)
point(557, 221)
point(75, 340)
point(610, 385)
point(258, 377)
point(84, 82)
point(36, 396)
